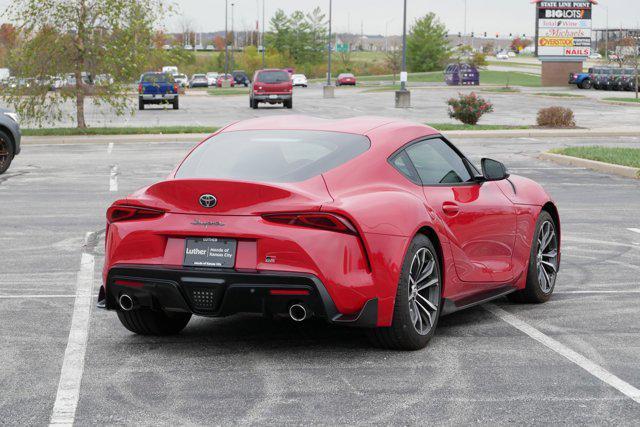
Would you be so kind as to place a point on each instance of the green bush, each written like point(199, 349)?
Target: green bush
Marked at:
point(469, 108)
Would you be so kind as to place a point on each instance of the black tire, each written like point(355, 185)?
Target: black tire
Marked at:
point(253, 103)
point(140, 104)
point(176, 103)
point(288, 104)
point(149, 322)
point(6, 152)
point(586, 84)
point(534, 291)
point(403, 333)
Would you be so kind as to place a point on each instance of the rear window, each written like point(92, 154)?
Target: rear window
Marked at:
point(273, 77)
point(157, 78)
point(271, 156)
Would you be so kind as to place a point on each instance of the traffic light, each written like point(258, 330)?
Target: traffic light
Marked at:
point(485, 34)
point(459, 34)
point(472, 34)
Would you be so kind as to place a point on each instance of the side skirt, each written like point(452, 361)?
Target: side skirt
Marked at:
point(451, 306)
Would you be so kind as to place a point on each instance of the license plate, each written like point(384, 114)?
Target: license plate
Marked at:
point(210, 252)
point(273, 96)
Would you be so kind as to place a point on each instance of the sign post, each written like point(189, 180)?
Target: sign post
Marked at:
point(563, 38)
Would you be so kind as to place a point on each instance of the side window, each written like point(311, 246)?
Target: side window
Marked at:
point(437, 163)
point(402, 163)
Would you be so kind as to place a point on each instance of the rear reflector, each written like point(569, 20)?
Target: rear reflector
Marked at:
point(127, 213)
point(130, 283)
point(322, 221)
point(289, 292)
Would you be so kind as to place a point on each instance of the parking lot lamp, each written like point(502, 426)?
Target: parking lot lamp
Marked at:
point(263, 28)
point(403, 96)
point(226, 38)
point(328, 89)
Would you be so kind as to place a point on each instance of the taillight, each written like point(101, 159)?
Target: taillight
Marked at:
point(127, 213)
point(322, 221)
point(140, 88)
point(175, 87)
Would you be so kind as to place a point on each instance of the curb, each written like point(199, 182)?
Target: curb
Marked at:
point(103, 139)
point(196, 137)
point(625, 171)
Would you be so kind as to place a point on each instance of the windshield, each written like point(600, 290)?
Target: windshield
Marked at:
point(273, 77)
point(157, 78)
point(272, 155)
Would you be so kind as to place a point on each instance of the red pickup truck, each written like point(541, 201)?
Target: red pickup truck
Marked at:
point(272, 86)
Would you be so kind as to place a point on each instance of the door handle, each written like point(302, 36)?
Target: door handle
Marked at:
point(450, 209)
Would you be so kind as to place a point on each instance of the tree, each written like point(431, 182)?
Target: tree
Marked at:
point(393, 61)
point(300, 36)
point(518, 44)
point(427, 45)
point(79, 40)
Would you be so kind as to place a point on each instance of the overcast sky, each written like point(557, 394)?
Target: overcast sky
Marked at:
point(375, 16)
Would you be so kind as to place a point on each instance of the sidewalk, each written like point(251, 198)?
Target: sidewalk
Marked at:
point(196, 137)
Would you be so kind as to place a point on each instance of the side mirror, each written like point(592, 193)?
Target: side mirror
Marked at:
point(493, 170)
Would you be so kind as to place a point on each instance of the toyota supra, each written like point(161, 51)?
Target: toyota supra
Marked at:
point(369, 222)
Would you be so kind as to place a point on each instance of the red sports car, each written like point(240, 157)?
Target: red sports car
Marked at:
point(368, 222)
point(346, 79)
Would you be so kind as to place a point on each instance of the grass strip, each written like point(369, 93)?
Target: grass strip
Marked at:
point(117, 130)
point(614, 155)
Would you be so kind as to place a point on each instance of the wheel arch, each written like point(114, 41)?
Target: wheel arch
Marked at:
point(552, 210)
point(430, 233)
point(12, 138)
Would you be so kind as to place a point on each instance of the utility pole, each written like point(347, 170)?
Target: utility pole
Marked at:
point(263, 29)
point(606, 36)
point(226, 38)
point(403, 96)
point(328, 89)
point(233, 38)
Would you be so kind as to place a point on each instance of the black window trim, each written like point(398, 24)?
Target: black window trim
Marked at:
point(471, 169)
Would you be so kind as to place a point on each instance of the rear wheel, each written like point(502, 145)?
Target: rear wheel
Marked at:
point(175, 103)
point(586, 84)
point(543, 263)
point(149, 322)
point(6, 152)
point(140, 104)
point(417, 306)
point(288, 104)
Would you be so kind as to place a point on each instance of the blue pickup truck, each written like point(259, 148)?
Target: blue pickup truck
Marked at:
point(582, 80)
point(157, 88)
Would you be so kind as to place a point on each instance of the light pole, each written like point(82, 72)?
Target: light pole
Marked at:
point(328, 89)
point(226, 38)
point(263, 28)
point(403, 74)
point(606, 36)
point(403, 96)
point(233, 37)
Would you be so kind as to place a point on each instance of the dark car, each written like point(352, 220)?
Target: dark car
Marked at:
point(157, 88)
point(241, 78)
point(622, 79)
point(273, 86)
point(602, 78)
point(9, 138)
point(461, 74)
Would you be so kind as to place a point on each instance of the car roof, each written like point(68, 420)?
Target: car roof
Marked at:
point(357, 125)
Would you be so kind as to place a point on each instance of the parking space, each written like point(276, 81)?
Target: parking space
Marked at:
point(248, 370)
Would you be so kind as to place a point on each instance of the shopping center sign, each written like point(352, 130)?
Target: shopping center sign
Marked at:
point(563, 30)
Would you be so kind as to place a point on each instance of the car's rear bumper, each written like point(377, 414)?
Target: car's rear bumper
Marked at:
point(158, 98)
point(222, 292)
point(267, 97)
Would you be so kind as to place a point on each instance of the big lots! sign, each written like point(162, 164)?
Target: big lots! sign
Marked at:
point(563, 29)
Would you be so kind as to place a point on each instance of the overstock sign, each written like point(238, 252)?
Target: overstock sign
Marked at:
point(564, 29)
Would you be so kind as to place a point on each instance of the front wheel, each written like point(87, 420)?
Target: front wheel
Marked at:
point(175, 103)
point(543, 263)
point(417, 306)
point(150, 322)
point(586, 84)
point(6, 152)
point(140, 104)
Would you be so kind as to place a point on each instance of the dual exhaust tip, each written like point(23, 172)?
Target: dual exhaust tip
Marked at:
point(297, 312)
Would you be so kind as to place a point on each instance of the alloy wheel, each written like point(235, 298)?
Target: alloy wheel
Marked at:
point(547, 257)
point(424, 291)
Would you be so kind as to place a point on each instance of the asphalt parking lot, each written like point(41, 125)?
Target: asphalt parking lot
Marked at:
point(247, 370)
point(428, 103)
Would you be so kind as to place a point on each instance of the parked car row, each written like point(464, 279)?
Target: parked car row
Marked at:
point(605, 78)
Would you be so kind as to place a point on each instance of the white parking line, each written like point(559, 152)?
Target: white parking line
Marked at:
point(635, 230)
point(632, 291)
point(113, 178)
point(110, 148)
point(586, 364)
point(64, 408)
point(36, 296)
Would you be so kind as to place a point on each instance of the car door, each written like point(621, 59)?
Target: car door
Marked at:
point(480, 220)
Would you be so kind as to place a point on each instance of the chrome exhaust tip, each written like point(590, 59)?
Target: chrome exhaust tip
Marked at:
point(125, 302)
point(298, 312)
